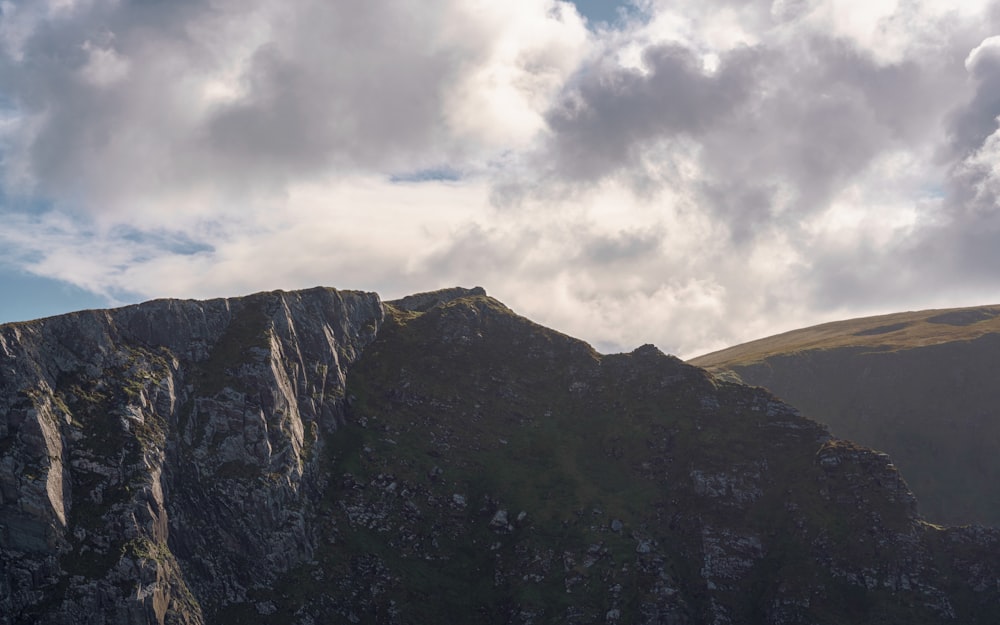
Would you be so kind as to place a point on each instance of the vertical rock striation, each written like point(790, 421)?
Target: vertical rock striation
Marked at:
point(172, 445)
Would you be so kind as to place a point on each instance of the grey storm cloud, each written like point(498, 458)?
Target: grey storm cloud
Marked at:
point(322, 92)
point(821, 116)
point(622, 248)
point(604, 123)
point(798, 121)
point(779, 129)
point(962, 237)
point(110, 97)
point(971, 124)
point(954, 246)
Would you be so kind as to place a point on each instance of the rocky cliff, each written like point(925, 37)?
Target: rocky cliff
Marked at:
point(320, 456)
point(159, 461)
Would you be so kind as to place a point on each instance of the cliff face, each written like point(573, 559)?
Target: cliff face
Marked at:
point(321, 457)
point(156, 459)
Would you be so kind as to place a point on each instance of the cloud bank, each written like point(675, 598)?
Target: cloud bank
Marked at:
point(692, 174)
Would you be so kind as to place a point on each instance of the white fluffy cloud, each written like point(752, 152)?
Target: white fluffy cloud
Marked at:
point(694, 175)
point(119, 102)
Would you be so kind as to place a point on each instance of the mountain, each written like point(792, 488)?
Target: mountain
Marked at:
point(323, 456)
point(921, 386)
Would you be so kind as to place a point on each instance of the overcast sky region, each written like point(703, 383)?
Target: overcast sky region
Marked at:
point(688, 173)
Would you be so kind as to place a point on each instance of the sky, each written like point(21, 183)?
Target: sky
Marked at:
point(688, 173)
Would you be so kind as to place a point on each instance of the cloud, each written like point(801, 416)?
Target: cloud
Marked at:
point(754, 133)
point(803, 135)
point(958, 244)
point(693, 174)
point(606, 123)
point(115, 102)
point(319, 93)
point(971, 124)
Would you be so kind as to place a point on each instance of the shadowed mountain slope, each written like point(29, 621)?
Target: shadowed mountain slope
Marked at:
point(320, 456)
point(922, 386)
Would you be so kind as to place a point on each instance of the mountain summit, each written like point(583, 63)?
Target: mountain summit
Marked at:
point(322, 456)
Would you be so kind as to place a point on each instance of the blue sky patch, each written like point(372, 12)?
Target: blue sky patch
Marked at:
point(600, 10)
point(27, 296)
point(428, 175)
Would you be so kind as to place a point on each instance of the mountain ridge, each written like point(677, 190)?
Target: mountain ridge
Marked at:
point(320, 455)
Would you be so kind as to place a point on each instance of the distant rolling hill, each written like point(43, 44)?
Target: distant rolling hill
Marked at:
point(922, 386)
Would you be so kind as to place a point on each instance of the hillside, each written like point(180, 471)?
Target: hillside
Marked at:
point(322, 456)
point(921, 386)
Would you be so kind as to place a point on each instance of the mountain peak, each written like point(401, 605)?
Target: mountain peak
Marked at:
point(422, 302)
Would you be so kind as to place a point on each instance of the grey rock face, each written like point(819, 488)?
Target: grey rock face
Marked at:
point(315, 457)
point(135, 439)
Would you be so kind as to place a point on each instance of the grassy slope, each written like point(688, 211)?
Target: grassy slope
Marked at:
point(895, 331)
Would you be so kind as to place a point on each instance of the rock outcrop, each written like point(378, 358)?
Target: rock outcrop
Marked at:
point(320, 456)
